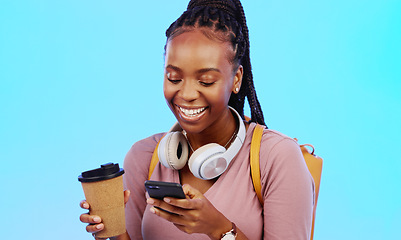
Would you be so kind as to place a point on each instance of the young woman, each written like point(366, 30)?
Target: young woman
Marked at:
point(207, 77)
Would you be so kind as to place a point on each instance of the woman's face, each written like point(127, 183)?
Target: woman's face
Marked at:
point(198, 81)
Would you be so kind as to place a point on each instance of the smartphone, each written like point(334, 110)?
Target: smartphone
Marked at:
point(160, 190)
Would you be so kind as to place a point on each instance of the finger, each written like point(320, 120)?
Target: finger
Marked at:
point(156, 203)
point(181, 222)
point(166, 206)
point(84, 204)
point(92, 219)
point(191, 192)
point(94, 228)
point(171, 217)
point(127, 193)
point(179, 203)
point(193, 201)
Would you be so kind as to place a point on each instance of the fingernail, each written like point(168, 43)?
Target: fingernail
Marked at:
point(150, 201)
point(96, 219)
point(167, 200)
point(152, 210)
point(99, 226)
point(85, 205)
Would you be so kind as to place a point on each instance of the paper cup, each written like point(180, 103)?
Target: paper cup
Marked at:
point(104, 191)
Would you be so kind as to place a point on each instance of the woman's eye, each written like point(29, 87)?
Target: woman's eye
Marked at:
point(173, 78)
point(207, 79)
point(206, 84)
point(175, 81)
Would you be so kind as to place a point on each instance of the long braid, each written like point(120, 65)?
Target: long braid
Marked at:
point(256, 110)
point(226, 16)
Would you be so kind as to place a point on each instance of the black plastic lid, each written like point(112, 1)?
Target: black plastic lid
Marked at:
point(106, 171)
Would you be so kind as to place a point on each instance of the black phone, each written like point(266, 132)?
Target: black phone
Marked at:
point(160, 190)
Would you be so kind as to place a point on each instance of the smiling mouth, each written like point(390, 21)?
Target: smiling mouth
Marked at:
point(192, 112)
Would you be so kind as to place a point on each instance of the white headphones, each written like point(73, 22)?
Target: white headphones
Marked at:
point(208, 161)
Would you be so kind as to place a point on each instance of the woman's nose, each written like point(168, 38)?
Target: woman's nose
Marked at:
point(188, 91)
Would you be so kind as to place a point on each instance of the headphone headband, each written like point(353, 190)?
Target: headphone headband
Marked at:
point(233, 149)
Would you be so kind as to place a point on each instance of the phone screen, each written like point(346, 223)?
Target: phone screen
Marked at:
point(160, 190)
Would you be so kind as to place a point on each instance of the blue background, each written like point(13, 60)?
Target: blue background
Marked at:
point(81, 81)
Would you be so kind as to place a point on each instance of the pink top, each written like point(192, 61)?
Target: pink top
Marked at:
point(287, 189)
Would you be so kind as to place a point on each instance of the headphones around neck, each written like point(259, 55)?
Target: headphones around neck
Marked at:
point(208, 161)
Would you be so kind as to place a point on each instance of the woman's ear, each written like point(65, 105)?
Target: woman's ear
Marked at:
point(238, 79)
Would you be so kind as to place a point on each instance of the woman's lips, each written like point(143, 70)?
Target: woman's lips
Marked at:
point(191, 114)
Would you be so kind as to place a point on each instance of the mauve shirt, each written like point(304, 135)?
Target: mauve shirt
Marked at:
point(287, 189)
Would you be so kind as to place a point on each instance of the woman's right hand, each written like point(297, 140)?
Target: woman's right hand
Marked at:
point(95, 222)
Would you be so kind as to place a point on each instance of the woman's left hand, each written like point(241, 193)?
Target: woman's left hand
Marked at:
point(195, 214)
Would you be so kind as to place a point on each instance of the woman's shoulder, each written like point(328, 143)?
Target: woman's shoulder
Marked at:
point(140, 153)
point(147, 144)
point(273, 138)
point(277, 147)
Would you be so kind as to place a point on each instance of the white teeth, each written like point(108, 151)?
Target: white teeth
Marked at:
point(192, 112)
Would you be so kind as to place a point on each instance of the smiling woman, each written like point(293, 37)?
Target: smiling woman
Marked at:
point(207, 77)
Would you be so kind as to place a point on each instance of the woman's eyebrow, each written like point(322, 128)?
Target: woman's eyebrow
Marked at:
point(202, 70)
point(174, 68)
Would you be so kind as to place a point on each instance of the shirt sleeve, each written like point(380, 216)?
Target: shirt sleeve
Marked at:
point(136, 167)
point(288, 191)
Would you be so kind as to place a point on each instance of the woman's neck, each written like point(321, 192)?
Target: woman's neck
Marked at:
point(221, 132)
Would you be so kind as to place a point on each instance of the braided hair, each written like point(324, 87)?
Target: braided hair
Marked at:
point(226, 18)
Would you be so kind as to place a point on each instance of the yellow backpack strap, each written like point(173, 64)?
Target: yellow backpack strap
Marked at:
point(154, 161)
point(254, 158)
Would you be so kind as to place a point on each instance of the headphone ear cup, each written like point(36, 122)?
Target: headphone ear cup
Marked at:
point(207, 162)
point(173, 150)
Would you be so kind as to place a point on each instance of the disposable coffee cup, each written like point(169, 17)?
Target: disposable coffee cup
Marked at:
point(104, 191)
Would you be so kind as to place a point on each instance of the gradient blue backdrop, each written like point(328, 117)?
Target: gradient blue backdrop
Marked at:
point(81, 81)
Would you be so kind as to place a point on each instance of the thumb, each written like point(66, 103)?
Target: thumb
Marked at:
point(127, 193)
point(191, 192)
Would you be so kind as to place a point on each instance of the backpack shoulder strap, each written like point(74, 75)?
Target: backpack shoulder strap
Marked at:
point(154, 161)
point(254, 158)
